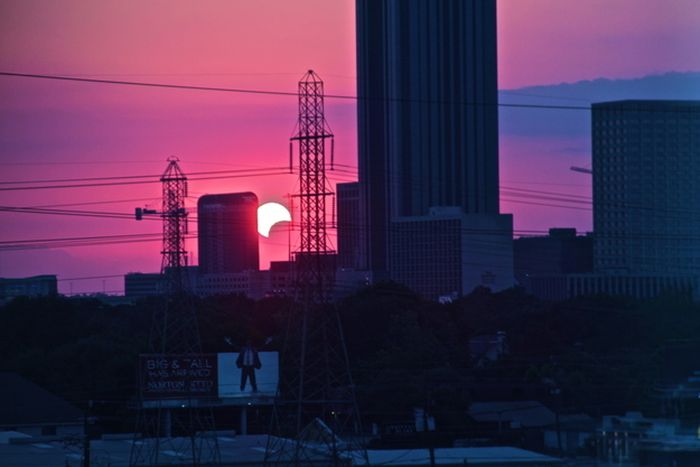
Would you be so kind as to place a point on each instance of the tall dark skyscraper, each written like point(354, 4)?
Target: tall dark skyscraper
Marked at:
point(228, 233)
point(427, 119)
point(428, 144)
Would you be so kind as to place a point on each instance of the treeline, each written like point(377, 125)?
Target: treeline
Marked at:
point(598, 355)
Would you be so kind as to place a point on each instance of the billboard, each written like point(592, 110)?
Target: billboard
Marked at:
point(209, 379)
point(237, 382)
point(178, 376)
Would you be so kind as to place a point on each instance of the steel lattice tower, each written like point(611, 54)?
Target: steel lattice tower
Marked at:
point(186, 431)
point(315, 418)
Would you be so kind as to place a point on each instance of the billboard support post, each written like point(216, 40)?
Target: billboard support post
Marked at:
point(244, 420)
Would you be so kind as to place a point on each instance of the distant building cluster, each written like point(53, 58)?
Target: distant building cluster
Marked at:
point(36, 286)
point(646, 195)
point(253, 283)
point(646, 208)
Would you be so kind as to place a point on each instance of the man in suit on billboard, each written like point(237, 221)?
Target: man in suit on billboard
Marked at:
point(248, 361)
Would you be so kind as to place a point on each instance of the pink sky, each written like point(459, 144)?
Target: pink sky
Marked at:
point(65, 130)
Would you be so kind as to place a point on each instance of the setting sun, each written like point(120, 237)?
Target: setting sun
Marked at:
point(270, 214)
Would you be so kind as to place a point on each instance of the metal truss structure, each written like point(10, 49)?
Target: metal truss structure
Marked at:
point(174, 430)
point(315, 418)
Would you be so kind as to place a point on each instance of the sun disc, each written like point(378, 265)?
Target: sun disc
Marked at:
point(270, 214)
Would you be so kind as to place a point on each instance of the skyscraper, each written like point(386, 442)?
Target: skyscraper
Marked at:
point(227, 233)
point(646, 187)
point(427, 115)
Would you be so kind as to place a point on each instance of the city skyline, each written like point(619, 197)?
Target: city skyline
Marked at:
point(81, 130)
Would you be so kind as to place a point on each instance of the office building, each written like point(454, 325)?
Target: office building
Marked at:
point(646, 187)
point(140, 285)
point(447, 254)
point(227, 233)
point(229, 283)
point(28, 410)
point(646, 204)
point(35, 286)
point(427, 125)
point(560, 252)
point(639, 286)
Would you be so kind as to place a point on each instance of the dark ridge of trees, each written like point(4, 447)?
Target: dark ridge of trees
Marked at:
point(606, 355)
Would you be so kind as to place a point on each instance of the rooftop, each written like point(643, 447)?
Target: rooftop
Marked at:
point(249, 450)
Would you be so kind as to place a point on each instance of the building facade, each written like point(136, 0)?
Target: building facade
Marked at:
point(35, 286)
point(141, 284)
point(138, 285)
point(427, 118)
point(447, 254)
point(349, 226)
point(560, 252)
point(646, 189)
point(227, 233)
point(639, 286)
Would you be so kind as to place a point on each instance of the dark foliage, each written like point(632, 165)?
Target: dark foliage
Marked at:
point(603, 355)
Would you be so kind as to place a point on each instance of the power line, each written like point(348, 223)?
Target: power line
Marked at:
point(85, 278)
point(128, 177)
point(66, 212)
point(328, 96)
point(508, 194)
point(69, 239)
point(155, 178)
point(141, 182)
point(269, 92)
point(92, 203)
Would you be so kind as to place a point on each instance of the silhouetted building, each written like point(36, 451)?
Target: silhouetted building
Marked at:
point(427, 124)
point(149, 284)
point(280, 277)
point(447, 254)
point(349, 228)
point(227, 233)
point(276, 281)
point(140, 285)
point(30, 410)
point(34, 286)
point(641, 286)
point(560, 252)
point(646, 189)
point(242, 283)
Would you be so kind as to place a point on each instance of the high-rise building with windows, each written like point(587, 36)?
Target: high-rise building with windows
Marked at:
point(447, 254)
point(227, 233)
point(646, 187)
point(427, 118)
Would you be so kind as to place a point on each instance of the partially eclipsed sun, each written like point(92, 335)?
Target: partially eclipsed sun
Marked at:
point(270, 214)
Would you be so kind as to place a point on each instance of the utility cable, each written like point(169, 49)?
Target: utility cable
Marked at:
point(327, 96)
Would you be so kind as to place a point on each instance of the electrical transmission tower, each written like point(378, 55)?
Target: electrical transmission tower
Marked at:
point(315, 417)
point(173, 428)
